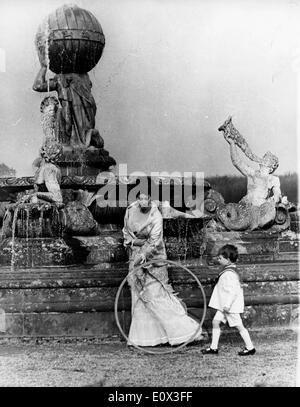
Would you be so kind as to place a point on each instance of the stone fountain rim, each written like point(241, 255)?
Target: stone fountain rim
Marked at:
point(93, 180)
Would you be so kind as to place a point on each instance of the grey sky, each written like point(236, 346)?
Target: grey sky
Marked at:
point(171, 73)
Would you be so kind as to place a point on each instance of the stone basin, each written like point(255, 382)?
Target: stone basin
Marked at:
point(33, 220)
point(66, 285)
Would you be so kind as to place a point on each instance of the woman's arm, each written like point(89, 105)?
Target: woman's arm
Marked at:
point(128, 239)
point(138, 242)
point(154, 245)
point(128, 235)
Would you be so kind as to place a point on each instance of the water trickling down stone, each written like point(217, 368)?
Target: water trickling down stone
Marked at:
point(47, 31)
point(14, 224)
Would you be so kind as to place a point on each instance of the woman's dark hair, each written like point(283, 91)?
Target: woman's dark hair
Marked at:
point(142, 193)
point(230, 252)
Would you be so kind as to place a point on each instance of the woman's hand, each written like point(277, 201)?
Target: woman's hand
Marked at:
point(34, 198)
point(139, 242)
point(31, 197)
point(26, 197)
point(140, 259)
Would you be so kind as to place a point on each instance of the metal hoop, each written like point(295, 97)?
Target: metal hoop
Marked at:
point(200, 323)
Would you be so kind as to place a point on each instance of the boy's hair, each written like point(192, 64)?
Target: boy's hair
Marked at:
point(230, 252)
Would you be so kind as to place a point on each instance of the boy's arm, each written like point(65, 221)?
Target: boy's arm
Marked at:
point(229, 284)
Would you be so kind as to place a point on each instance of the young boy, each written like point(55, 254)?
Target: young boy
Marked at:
point(228, 299)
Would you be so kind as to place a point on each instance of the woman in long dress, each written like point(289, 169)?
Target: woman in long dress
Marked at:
point(158, 316)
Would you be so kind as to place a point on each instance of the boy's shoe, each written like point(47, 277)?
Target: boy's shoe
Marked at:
point(247, 352)
point(209, 351)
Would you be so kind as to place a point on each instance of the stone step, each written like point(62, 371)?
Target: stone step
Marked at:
point(96, 276)
point(77, 290)
point(79, 300)
point(101, 294)
point(99, 300)
point(103, 325)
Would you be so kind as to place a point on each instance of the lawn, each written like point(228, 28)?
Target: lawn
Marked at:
point(110, 363)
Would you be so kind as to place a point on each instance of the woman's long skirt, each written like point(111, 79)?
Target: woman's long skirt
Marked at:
point(158, 316)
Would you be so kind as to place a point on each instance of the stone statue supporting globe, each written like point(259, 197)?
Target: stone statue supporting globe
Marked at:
point(70, 43)
point(73, 39)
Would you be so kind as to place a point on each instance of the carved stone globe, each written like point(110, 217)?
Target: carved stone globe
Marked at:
point(72, 38)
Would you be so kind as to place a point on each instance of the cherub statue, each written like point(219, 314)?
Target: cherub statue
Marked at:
point(48, 176)
point(258, 207)
point(46, 184)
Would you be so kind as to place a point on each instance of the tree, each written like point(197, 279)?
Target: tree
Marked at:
point(5, 171)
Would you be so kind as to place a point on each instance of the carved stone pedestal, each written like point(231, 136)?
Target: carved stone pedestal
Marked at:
point(84, 161)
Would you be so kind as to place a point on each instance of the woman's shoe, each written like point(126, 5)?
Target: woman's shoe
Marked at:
point(196, 342)
point(247, 352)
point(209, 351)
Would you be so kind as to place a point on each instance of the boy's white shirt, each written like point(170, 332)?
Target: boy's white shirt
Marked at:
point(228, 292)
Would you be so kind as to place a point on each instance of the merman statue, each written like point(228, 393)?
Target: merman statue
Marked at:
point(257, 209)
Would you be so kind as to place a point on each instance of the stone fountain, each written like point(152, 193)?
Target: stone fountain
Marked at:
point(62, 258)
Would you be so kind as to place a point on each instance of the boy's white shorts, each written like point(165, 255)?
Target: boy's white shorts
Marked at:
point(233, 319)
